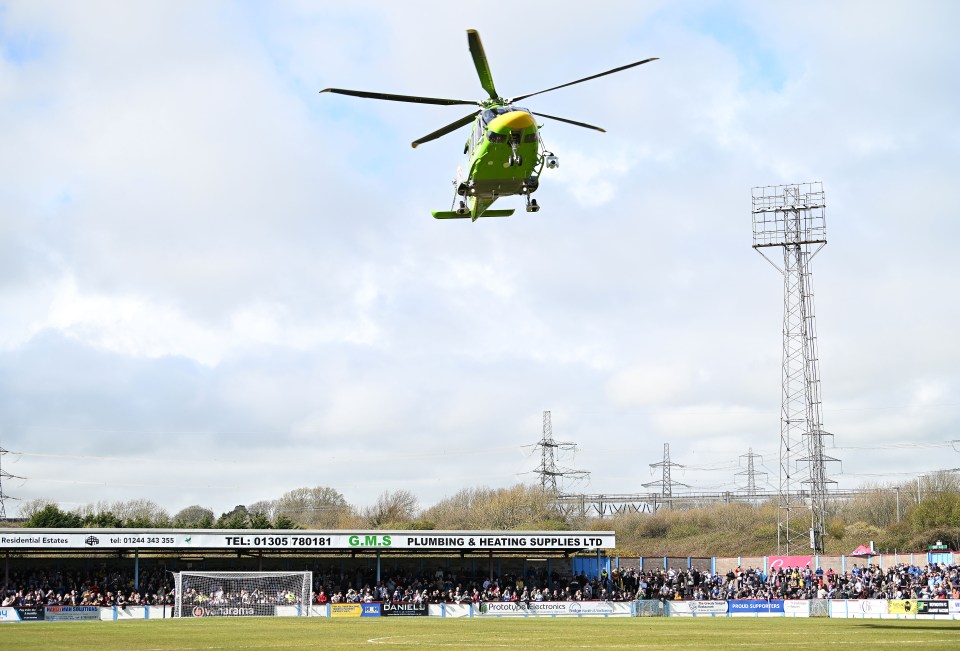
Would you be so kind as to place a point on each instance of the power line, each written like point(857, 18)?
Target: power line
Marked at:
point(548, 470)
point(666, 483)
point(3, 496)
point(751, 472)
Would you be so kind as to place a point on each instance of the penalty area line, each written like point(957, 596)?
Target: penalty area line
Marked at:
point(418, 639)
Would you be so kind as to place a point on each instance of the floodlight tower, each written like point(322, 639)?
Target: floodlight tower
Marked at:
point(792, 217)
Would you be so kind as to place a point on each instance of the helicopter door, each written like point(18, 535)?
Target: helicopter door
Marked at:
point(476, 137)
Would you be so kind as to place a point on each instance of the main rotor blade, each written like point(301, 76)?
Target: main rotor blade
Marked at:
point(453, 126)
point(578, 81)
point(480, 62)
point(574, 122)
point(400, 98)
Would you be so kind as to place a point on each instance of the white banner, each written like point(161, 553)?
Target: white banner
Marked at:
point(859, 608)
point(954, 606)
point(130, 612)
point(9, 614)
point(796, 608)
point(12, 539)
point(454, 610)
point(554, 609)
point(697, 608)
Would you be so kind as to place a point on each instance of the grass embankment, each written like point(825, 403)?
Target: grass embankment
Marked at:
point(743, 530)
point(725, 530)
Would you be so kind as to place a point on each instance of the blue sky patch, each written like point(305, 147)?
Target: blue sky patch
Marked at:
point(762, 69)
point(20, 48)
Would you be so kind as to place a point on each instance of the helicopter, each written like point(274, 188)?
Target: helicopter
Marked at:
point(505, 151)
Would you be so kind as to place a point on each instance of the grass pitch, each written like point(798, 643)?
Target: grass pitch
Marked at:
point(702, 634)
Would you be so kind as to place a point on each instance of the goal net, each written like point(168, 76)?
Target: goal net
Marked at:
point(243, 594)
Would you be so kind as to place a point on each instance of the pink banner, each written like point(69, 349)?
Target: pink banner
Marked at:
point(785, 562)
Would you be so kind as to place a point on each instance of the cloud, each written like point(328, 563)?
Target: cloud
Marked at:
point(202, 257)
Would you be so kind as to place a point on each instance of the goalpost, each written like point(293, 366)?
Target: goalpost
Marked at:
point(243, 594)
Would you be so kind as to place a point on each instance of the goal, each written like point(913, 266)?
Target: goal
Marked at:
point(243, 594)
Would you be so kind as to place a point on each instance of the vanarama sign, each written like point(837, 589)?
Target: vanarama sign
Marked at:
point(222, 611)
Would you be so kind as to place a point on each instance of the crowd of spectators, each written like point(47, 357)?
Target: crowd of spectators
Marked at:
point(902, 581)
point(869, 581)
point(450, 587)
point(216, 597)
point(155, 587)
point(43, 587)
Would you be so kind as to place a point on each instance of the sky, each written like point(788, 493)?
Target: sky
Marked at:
point(217, 284)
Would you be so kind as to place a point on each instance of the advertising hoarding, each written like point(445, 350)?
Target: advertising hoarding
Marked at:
point(404, 609)
point(754, 606)
point(345, 610)
point(554, 609)
point(180, 540)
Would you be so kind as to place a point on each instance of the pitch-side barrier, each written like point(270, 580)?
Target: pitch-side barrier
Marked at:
point(938, 609)
point(338, 611)
point(836, 608)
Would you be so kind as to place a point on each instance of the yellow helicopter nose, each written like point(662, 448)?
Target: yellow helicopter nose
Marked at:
point(511, 121)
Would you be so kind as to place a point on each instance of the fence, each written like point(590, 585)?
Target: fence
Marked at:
point(841, 563)
point(920, 609)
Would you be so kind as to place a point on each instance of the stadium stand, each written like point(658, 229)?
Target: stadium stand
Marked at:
point(105, 586)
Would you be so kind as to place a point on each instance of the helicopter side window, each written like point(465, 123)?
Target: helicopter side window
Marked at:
point(496, 137)
point(477, 135)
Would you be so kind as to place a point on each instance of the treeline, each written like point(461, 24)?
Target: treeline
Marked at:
point(896, 517)
point(321, 507)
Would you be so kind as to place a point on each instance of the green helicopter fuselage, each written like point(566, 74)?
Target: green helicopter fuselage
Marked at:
point(504, 159)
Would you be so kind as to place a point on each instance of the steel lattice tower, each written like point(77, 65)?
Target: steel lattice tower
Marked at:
point(548, 469)
point(3, 496)
point(792, 217)
point(666, 483)
point(750, 473)
point(548, 464)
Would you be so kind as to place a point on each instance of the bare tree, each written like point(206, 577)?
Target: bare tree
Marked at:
point(941, 481)
point(194, 517)
point(876, 505)
point(392, 508)
point(266, 508)
point(519, 506)
point(141, 512)
point(315, 508)
point(28, 508)
point(455, 512)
